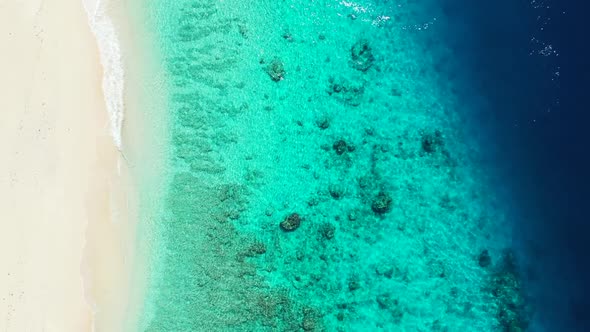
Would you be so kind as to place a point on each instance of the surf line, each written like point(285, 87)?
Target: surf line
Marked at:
point(113, 81)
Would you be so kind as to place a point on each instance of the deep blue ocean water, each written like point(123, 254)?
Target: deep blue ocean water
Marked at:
point(530, 59)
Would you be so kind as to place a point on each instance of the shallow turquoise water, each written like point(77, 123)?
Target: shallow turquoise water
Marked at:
point(345, 114)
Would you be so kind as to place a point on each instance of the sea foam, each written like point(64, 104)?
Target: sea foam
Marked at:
point(110, 57)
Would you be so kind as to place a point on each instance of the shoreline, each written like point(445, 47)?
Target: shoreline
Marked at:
point(109, 48)
point(109, 248)
point(145, 147)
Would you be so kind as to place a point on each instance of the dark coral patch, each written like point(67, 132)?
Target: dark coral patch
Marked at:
point(362, 55)
point(381, 203)
point(484, 259)
point(256, 249)
point(276, 70)
point(336, 191)
point(291, 222)
point(506, 286)
point(432, 141)
point(323, 122)
point(347, 92)
point(340, 147)
point(327, 231)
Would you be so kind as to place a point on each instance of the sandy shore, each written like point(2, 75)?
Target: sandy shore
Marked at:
point(64, 246)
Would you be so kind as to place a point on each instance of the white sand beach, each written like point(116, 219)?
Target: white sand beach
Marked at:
point(63, 200)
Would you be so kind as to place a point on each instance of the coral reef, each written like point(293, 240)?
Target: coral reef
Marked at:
point(276, 70)
point(340, 147)
point(256, 249)
point(484, 259)
point(327, 231)
point(246, 157)
point(362, 55)
point(381, 203)
point(506, 287)
point(354, 284)
point(432, 141)
point(347, 92)
point(311, 320)
point(392, 306)
point(323, 122)
point(336, 191)
point(291, 222)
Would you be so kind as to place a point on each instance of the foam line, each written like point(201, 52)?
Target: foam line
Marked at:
point(113, 82)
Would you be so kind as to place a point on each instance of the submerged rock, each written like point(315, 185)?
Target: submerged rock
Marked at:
point(381, 203)
point(345, 91)
point(385, 301)
point(432, 141)
point(327, 231)
point(340, 146)
point(291, 222)
point(362, 55)
point(354, 285)
point(392, 305)
point(311, 320)
point(288, 36)
point(364, 181)
point(484, 259)
point(336, 191)
point(506, 287)
point(385, 270)
point(256, 249)
point(276, 70)
point(243, 30)
point(323, 122)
